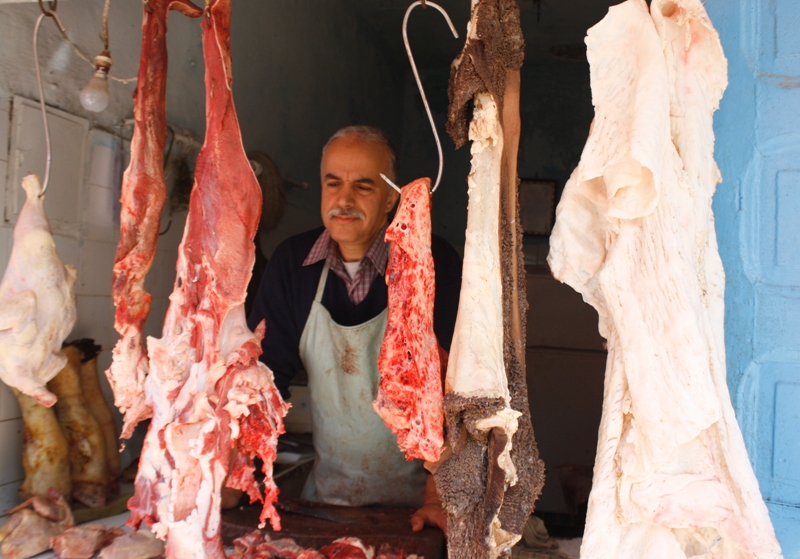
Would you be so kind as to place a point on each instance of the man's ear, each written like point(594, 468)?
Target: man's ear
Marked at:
point(391, 200)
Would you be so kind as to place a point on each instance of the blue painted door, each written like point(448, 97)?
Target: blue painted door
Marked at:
point(757, 209)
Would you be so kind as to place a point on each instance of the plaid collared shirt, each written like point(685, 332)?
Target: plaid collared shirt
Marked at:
point(372, 263)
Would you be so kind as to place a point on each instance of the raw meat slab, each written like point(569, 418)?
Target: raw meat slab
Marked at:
point(410, 390)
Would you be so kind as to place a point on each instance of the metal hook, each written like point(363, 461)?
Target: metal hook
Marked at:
point(425, 3)
point(41, 102)
point(52, 11)
point(390, 183)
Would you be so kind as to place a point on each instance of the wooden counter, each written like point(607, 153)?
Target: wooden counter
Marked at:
point(373, 525)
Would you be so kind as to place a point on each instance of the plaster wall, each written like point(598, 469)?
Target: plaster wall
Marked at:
point(299, 74)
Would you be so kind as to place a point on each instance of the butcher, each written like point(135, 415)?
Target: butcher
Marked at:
point(324, 296)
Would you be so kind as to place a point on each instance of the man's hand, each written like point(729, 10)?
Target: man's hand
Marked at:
point(431, 513)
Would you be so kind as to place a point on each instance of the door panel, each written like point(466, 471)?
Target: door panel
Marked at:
point(757, 211)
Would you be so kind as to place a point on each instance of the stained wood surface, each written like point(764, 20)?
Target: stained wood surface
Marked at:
point(373, 525)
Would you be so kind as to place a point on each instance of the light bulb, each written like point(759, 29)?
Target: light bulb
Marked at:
point(94, 97)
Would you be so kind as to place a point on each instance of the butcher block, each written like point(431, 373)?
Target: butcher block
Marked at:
point(373, 525)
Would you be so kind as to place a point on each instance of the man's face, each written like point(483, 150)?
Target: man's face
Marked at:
point(355, 199)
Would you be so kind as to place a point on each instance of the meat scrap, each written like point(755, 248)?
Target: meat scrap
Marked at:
point(143, 194)
point(206, 387)
point(671, 476)
point(37, 302)
point(139, 545)
point(82, 542)
point(490, 473)
point(257, 545)
point(410, 395)
point(28, 530)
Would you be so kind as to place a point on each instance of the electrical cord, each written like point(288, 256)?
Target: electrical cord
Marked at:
point(52, 14)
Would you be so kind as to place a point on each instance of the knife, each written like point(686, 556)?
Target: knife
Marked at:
point(315, 513)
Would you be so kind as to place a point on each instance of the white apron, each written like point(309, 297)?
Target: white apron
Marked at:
point(358, 462)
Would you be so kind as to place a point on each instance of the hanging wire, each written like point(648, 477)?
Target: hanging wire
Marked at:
point(425, 3)
point(106, 9)
point(51, 13)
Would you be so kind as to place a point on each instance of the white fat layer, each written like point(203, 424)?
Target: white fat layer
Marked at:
point(475, 367)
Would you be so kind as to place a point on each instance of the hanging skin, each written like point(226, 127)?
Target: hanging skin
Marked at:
point(672, 478)
point(206, 387)
point(490, 473)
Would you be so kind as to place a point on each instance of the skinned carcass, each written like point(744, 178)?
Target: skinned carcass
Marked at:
point(490, 473)
point(45, 451)
point(98, 407)
point(37, 302)
point(634, 234)
point(410, 395)
point(87, 449)
point(143, 194)
point(206, 387)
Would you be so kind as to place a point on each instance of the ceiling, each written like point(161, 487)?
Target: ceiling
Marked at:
point(553, 29)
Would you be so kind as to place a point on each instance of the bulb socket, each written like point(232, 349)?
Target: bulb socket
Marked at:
point(103, 60)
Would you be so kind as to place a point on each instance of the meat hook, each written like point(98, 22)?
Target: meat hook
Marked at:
point(426, 3)
point(45, 13)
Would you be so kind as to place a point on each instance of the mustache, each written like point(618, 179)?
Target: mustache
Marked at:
point(346, 212)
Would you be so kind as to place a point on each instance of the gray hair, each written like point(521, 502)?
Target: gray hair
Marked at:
point(368, 135)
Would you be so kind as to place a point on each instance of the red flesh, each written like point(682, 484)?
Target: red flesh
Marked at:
point(206, 387)
point(143, 195)
point(410, 391)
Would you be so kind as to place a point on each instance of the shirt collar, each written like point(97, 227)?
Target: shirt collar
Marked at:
point(325, 248)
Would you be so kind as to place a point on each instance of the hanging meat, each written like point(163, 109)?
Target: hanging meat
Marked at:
point(491, 474)
point(635, 235)
point(410, 390)
point(143, 195)
point(206, 387)
point(37, 302)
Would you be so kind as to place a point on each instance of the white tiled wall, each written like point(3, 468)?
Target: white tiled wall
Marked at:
point(92, 254)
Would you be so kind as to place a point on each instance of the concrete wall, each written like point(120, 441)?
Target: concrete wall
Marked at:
point(298, 75)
